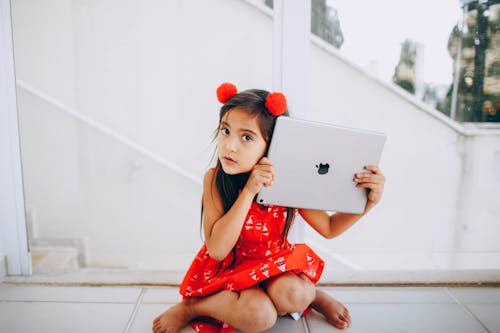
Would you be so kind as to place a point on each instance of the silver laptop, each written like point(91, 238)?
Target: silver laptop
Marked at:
point(315, 163)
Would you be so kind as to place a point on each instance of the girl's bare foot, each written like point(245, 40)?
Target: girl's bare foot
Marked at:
point(172, 320)
point(336, 313)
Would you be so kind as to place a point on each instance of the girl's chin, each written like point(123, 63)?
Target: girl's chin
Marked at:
point(232, 171)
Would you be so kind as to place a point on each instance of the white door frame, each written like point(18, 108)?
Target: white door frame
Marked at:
point(14, 243)
point(291, 44)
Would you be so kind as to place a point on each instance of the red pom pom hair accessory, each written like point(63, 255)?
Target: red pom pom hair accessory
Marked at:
point(225, 91)
point(276, 103)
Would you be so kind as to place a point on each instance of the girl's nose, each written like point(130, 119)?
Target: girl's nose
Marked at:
point(231, 144)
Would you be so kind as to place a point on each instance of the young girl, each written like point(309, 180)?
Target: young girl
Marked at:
point(247, 273)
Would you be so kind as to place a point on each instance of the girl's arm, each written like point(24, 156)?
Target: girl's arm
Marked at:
point(330, 226)
point(222, 230)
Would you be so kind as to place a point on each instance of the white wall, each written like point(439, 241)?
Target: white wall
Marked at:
point(441, 190)
point(478, 210)
point(149, 71)
point(419, 196)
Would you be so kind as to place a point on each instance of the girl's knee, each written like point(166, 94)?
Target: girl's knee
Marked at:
point(300, 295)
point(293, 294)
point(256, 315)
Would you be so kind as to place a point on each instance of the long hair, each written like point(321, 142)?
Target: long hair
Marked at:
point(229, 186)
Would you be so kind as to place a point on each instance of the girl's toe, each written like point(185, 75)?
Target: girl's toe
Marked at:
point(339, 322)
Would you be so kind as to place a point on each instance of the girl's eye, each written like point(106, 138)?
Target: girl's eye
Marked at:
point(224, 131)
point(246, 138)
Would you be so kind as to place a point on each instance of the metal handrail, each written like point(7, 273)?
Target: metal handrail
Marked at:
point(108, 132)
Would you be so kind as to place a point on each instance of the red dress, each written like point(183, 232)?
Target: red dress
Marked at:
point(259, 254)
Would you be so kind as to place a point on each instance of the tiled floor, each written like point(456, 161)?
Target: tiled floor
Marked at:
point(42, 308)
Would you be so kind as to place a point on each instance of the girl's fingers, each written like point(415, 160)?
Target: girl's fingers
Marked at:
point(265, 161)
point(373, 168)
point(374, 171)
point(369, 178)
point(266, 167)
point(266, 170)
point(373, 180)
point(375, 174)
point(371, 186)
point(265, 173)
point(375, 191)
point(262, 177)
point(265, 178)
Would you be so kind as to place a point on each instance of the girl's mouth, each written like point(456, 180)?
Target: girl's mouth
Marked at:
point(229, 160)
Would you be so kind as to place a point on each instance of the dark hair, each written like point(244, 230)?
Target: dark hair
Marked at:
point(252, 101)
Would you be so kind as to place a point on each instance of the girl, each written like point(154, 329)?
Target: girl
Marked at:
point(246, 273)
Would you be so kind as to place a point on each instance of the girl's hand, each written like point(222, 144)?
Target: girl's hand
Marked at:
point(374, 181)
point(262, 175)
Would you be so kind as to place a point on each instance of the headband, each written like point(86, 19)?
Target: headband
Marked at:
point(275, 101)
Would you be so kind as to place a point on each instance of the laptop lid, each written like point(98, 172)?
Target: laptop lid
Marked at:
point(315, 163)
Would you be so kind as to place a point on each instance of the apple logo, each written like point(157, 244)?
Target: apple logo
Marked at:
point(323, 168)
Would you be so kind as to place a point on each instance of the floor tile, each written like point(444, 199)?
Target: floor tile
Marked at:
point(64, 317)
point(147, 312)
point(389, 318)
point(476, 295)
point(9, 292)
point(162, 295)
point(374, 309)
point(288, 325)
point(389, 294)
point(488, 314)
point(143, 321)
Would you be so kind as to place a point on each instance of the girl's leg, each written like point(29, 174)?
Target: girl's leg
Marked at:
point(172, 320)
point(335, 312)
point(250, 310)
point(294, 293)
point(290, 292)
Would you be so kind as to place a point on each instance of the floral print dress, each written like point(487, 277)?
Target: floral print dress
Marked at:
point(260, 253)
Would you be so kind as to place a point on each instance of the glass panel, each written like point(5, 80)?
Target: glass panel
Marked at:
point(401, 42)
point(437, 210)
point(478, 76)
point(421, 60)
point(491, 86)
point(117, 112)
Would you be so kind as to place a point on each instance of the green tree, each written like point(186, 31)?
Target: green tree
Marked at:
point(325, 22)
point(404, 73)
point(478, 76)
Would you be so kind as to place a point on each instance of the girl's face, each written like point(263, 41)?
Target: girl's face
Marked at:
point(240, 143)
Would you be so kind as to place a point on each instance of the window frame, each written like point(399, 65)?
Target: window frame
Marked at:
point(14, 245)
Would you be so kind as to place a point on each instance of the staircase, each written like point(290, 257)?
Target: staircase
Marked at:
point(57, 255)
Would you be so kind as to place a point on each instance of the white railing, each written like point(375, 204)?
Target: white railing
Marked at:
point(146, 152)
point(108, 132)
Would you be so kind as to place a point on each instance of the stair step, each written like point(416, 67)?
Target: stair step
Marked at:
point(54, 259)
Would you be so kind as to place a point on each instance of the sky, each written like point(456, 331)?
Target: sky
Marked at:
point(374, 30)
